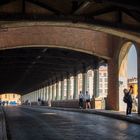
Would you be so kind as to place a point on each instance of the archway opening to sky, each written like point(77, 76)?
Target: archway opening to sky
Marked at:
point(128, 74)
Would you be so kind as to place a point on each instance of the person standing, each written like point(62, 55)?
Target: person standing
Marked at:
point(81, 99)
point(87, 97)
point(128, 100)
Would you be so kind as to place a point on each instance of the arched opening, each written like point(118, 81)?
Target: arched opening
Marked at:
point(10, 99)
point(128, 74)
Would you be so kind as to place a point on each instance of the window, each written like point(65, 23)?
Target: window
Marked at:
point(105, 79)
point(100, 90)
point(5, 95)
point(13, 95)
point(100, 79)
point(105, 74)
point(100, 85)
point(106, 90)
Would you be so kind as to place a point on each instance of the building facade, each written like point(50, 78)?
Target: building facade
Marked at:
point(103, 81)
point(11, 99)
point(133, 82)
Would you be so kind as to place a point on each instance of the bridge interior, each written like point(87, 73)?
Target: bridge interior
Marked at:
point(27, 70)
point(46, 42)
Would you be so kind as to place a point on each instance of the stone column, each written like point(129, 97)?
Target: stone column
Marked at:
point(138, 67)
point(113, 85)
point(84, 81)
point(41, 95)
point(68, 88)
point(53, 97)
point(75, 89)
point(57, 90)
point(46, 92)
point(36, 97)
point(49, 92)
point(96, 83)
point(37, 94)
point(62, 89)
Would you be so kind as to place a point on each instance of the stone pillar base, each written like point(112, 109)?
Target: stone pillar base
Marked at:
point(98, 103)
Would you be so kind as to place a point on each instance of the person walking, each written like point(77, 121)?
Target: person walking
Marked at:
point(128, 100)
point(87, 97)
point(81, 99)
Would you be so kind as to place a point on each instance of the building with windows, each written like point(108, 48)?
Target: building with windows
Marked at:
point(133, 82)
point(11, 98)
point(103, 81)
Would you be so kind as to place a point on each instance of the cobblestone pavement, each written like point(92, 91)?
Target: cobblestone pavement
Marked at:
point(47, 124)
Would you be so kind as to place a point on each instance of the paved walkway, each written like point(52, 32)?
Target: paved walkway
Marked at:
point(41, 123)
point(135, 118)
point(3, 134)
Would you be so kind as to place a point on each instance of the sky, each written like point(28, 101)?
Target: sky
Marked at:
point(132, 63)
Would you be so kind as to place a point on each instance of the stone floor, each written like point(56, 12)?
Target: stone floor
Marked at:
point(48, 124)
point(3, 134)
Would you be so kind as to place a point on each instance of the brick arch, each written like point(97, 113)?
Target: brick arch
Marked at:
point(84, 40)
point(124, 50)
point(112, 31)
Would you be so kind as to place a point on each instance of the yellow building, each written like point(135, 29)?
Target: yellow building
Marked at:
point(134, 83)
point(10, 98)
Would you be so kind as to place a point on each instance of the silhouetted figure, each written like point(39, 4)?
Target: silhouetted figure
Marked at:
point(3, 103)
point(39, 101)
point(87, 97)
point(128, 100)
point(81, 99)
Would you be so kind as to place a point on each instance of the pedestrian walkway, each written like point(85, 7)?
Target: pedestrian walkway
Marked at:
point(135, 118)
point(3, 134)
point(41, 123)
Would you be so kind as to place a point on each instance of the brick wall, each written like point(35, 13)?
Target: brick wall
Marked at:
point(84, 40)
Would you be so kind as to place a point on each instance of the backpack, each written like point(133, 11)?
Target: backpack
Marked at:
point(125, 99)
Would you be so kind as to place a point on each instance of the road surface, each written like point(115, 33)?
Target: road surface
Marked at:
point(47, 124)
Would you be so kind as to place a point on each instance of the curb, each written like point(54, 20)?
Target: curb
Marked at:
point(3, 132)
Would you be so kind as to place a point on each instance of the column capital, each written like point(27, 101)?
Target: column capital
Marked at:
point(95, 64)
point(68, 75)
point(61, 78)
point(84, 68)
point(56, 79)
point(75, 72)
